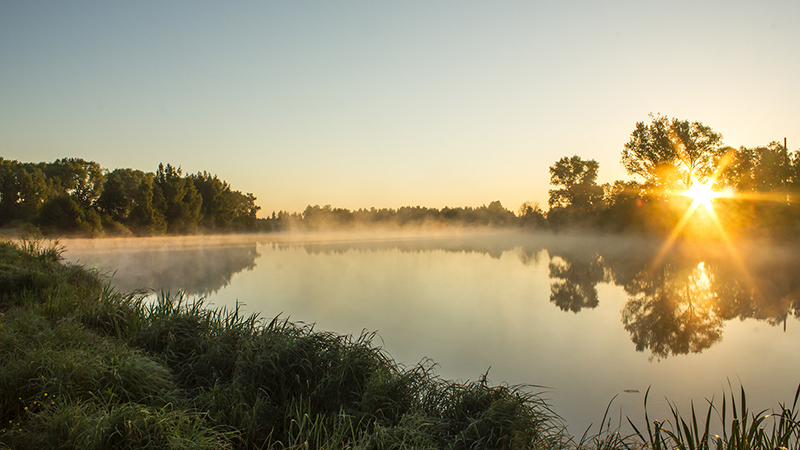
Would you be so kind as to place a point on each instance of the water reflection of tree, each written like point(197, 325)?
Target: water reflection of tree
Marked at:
point(680, 305)
point(671, 311)
point(772, 296)
point(577, 277)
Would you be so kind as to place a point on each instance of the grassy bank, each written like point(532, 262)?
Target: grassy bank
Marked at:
point(85, 366)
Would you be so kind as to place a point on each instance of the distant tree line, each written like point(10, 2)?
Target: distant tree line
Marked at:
point(327, 217)
point(73, 195)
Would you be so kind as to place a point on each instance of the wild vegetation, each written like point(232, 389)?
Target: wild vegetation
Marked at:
point(85, 366)
point(75, 196)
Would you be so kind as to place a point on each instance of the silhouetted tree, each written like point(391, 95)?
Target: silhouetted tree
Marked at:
point(668, 153)
point(576, 196)
point(624, 206)
point(531, 215)
point(182, 203)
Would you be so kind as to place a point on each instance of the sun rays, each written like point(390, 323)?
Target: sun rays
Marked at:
point(702, 194)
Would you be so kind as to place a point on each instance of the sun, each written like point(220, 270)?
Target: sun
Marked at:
point(701, 194)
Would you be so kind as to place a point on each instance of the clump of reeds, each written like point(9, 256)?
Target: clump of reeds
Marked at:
point(738, 428)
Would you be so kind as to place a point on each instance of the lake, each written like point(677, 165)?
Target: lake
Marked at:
point(586, 318)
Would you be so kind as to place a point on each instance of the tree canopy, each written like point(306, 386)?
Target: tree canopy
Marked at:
point(670, 153)
point(78, 196)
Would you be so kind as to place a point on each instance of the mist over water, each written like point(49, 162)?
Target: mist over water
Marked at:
point(587, 317)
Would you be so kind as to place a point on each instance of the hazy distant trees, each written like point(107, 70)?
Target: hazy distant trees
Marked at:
point(531, 215)
point(318, 217)
point(78, 196)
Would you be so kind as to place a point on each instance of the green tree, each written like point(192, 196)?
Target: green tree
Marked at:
point(182, 202)
point(23, 188)
point(244, 211)
point(577, 193)
point(669, 153)
point(81, 179)
point(144, 217)
point(119, 190)
point(63, 213)
point(114, 201)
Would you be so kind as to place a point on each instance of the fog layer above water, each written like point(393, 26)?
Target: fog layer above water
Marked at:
point(586, 317)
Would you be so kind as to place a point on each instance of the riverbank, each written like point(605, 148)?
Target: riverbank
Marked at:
point(85, 366)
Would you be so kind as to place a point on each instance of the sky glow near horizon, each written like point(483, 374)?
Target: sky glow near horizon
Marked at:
point(385, 104)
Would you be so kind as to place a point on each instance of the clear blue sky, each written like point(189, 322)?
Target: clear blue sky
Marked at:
point(386, 103)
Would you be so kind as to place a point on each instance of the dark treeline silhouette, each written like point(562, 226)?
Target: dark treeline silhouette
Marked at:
point(757, 188)
point(76, 196)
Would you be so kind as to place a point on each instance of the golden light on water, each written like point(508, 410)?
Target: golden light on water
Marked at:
point(702, 193)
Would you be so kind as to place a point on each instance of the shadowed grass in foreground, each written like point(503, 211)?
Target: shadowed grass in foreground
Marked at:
point(85, 366)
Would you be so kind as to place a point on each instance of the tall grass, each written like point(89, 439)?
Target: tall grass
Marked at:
point(83, 365)
point(741, 428)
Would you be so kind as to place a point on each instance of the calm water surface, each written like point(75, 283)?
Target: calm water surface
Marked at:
point(589, 318)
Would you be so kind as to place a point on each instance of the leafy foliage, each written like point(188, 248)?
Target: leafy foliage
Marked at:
point(79, 197)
